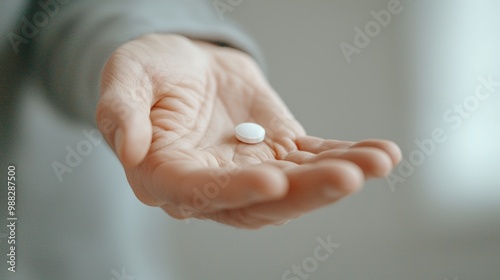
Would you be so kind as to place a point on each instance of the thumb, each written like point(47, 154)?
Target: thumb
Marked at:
point(123, 118)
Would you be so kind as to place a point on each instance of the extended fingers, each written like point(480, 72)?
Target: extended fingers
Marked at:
point(388, 147)
point(311, 186)
point(374, 162)
point(375, 157)
point(258, 196)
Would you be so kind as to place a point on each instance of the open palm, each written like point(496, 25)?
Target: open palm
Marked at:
point(168, 108)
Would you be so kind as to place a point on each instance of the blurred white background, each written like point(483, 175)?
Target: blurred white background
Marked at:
point(442, 222)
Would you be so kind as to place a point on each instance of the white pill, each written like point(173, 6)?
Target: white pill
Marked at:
point(250, 133)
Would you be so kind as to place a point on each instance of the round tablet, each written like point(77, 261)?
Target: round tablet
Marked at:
point(250, 133)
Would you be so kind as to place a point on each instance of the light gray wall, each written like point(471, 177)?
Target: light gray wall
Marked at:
point(397, 88)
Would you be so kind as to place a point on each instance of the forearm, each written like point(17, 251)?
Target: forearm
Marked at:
point(72, 49)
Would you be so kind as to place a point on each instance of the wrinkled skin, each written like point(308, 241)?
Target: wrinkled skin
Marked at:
point(168, 109)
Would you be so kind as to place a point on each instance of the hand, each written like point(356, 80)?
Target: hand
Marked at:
point(168, 108)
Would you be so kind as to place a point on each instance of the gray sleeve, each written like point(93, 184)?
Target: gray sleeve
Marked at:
point(73, 46)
